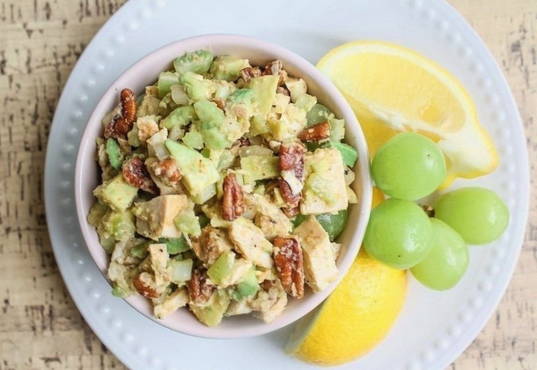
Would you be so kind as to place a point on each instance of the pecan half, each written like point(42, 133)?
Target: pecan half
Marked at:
point(316, 132)
point(166, 170)
point(250, 72)
point(292, 158)
point(290, 198)
point(122, 123)
point(232, 200)
point(243, 141)
point(276, 68)
point(145, 285)
point(289, 265)
point(199, 289)
point(135, 173)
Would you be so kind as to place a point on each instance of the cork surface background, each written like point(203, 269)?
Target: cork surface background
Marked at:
point(40, 40)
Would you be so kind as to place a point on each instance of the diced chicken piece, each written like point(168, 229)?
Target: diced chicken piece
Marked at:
point(268, 304)
point(170, 303)
point(150, 103)
point(319, 263)
point(238, 308)
point(325, 190)
point(269, 218)
point(159, 257)
point(211, 244)
point(336, 248)
point(119, 272)
point(156, 146)
point(250, 241)
point(147, 127)
point(154, 218)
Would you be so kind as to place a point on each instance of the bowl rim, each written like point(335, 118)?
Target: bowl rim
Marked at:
point(87, 143)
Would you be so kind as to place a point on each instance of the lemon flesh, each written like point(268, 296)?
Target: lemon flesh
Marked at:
point(356, 316)
point(393, 89)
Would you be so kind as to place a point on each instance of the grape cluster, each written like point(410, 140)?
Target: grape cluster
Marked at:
point(402, 234)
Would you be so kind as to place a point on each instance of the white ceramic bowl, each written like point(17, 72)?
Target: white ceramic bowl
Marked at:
point(144, 73)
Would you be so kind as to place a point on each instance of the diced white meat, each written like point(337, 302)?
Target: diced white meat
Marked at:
point(319, 260)
point(211, 244)
point(147, 127)
point(156, 146)
point(269, 304)
point(170, 303)
point(269, 218)
point(325, 190)
point(159, 257)
point(238, 308)
point(154, 218)
point(250, 241)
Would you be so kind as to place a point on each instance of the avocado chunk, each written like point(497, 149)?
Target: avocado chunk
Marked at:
point(325, 190)
point(212, 125)
point(180, 117)
point(227, 67)
point(198, 61)
point(259, 167)
point(165, 82)
point(317, 114)
point(175, 245)
point(116, 193)
point(222, 267)
point(247, 287)
point(348, 153)
point(196, 87)
point(118, 225)
point(187, 222)
point(264, 88)
point(154, 218)
point(212, 313)
point(198, 172)
point(115, 157)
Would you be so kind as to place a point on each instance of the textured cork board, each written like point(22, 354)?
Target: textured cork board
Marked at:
point(40, 41)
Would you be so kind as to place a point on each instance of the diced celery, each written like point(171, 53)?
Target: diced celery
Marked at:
point(178, 94)
point(180, 270)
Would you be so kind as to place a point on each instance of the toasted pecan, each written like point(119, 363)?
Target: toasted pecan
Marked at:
point(135, 173)
point(142, 283)
point(199, 290)
point(289, 263)
point(232, 200)
point(317, 132)
point(122, 123)
point(167, 170)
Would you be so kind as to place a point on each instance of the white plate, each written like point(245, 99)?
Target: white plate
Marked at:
point(434, 327)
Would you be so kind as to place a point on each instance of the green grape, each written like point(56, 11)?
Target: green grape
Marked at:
point(447, 260)
point(477, 214)
point(319, 113)
point(408, 166)
point(398, 233)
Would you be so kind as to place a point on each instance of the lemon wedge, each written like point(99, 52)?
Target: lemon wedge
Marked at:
point(356, 316)
point(393, 89)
